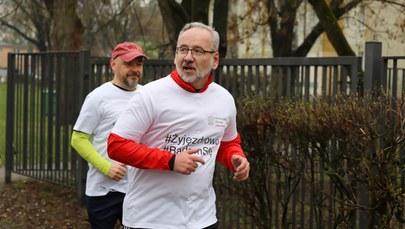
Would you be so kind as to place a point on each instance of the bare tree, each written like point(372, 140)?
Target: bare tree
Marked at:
point(30, 20)
point(98, 25)
point(47, 24)
point(330, 24)
point(77, 24)
point(66, 28)
point(220, 23)
point(281, 20)
point(280, 16)
point(175, 15)
point(114, 22)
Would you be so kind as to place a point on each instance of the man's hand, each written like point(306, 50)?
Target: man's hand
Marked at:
point(242, 168)
point(186, 162)
point(117, 171)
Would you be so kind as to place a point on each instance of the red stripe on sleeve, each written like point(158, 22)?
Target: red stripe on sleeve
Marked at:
point(227, 150)
point(137, 155)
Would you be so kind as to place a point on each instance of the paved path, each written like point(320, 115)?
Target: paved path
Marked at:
point(14, 177)
point(4, 226)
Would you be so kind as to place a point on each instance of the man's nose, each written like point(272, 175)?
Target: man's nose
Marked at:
point(189, 55)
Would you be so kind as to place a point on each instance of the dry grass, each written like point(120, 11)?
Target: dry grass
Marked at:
point(36, 204)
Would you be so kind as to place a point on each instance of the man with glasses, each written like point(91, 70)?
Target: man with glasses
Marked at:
point(172, 132)
point(106, 182)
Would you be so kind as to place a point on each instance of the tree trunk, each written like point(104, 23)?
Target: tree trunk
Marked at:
point(199, 10)
point(174, 18)
point(332, 29)
point(176, 15)
point(281, 25)
point(220, 24)
point(66, 27)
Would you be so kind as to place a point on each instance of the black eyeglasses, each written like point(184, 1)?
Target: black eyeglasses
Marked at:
point(194, 51)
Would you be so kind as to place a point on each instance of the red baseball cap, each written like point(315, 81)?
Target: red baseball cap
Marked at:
point(127, 51)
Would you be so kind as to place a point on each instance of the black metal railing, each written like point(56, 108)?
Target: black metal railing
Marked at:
point(45, 92)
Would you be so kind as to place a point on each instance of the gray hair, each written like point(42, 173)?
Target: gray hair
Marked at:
point(214, 34)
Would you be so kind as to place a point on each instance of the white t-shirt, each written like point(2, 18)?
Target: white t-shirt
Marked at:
point(98, 115)
point(165, 116)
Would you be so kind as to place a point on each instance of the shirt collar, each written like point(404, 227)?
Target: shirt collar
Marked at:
point(186, 86)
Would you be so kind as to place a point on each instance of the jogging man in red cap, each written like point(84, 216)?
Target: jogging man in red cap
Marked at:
point(106, 182)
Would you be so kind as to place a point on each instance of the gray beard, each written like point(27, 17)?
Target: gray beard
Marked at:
point(128, 84)
point(192, 79)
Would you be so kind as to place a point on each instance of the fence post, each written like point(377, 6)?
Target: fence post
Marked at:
point(83, 80)
point(374, 83)
point(373, 67)
point(10, 117)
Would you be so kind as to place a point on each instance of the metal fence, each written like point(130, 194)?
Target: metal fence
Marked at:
point(45, 92)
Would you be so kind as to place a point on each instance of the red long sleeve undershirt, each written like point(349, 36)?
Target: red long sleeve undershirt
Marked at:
point(137, 155)
point(140, 156)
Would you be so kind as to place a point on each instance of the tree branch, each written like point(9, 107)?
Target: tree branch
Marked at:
point(19, 32)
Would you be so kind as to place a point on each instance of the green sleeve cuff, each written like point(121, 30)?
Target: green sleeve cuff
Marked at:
point(81, 143)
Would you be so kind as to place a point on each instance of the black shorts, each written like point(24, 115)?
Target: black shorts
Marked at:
point(213, 226)
point(105, 211)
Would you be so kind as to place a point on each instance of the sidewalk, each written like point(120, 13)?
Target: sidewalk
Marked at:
point(4, 226)
point(14, 177)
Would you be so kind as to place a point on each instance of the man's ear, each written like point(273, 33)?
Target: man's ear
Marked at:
point(112, 64)
point(216, 61)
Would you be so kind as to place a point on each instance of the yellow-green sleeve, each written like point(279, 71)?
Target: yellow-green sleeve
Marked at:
point(81, 143)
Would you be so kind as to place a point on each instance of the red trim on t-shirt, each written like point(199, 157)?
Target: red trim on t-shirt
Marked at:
point(186, 86)
point(227, 150)
point(137, 155)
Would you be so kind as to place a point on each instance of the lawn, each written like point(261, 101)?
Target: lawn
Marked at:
point(3, 98)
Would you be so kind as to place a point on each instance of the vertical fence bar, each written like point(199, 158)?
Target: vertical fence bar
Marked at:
point(10, 117)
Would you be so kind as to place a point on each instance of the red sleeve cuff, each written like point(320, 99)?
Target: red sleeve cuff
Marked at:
point(227, 150)
point(137, 155)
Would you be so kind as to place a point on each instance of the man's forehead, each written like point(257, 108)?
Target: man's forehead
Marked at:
point(189, 37)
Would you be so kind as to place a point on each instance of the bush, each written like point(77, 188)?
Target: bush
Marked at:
point(333, 162)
